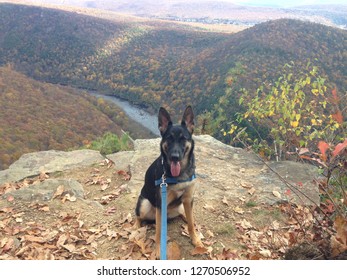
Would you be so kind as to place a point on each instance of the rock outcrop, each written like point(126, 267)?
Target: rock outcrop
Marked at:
point(222, 171)
point(33, 164)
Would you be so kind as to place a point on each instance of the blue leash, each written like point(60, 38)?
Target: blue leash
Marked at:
point(163, 231)
point(163, 186)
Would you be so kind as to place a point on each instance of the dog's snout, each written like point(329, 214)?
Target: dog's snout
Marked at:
point(175, 156)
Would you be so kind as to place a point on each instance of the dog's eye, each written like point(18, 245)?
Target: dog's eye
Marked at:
point(184, 137)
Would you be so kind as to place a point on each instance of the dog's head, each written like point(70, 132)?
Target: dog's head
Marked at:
point(177, 144)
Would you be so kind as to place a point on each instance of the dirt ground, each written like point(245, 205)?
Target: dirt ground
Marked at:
point(100, 225)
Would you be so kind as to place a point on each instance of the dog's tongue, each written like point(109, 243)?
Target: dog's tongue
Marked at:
point(175, 169)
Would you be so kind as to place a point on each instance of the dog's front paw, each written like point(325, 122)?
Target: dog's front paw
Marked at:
point(137, 224)
point(197, 242)
point(157, 252)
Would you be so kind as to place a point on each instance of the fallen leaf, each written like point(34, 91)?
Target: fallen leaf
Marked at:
point(104, 187)
point(199, 251)
point(58, 192)
point(275, 225)
point(69, 197)
point(94, 245)
point(225, 201)
point(70, 247)
point(44, 209)
point(227, 254)
point(209, 207)
point(90, 239)
point(245, 224)
point(265, 253)
point(245, 185)
point(6, 210)
point(185, 230)
point(251, 191)
point(173, 251)
point(18, 215)
point(239, 210)
point(128, 218)
point(34, 239)
point(50, 235)
point(123, 187)
point(3, 242)
point(111, 210)
point(138, 234)
point(338, 242)
point(8, 245)
point(61, 240)
point(126, 175)
point(255, 256)
point(337, 247)
point(303, 151)
point(288, 192)
point(277, 194)
point(340, 224)
point(111, 234)
point(209, 233)
point(80, 223)
point(43, 176)
point(10, 198)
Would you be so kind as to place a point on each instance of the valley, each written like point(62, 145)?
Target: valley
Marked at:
point(155, 63)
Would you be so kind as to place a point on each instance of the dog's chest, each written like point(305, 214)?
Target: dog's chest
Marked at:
point(179, 189)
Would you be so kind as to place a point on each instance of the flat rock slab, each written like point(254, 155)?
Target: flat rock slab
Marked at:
point(223, 172)
point(121, 159)
point(45, 191)
point(33, 164)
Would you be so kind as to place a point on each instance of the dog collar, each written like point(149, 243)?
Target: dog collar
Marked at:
point(172, 180)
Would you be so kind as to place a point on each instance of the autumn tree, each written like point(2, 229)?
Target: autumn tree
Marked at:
point(300, 111)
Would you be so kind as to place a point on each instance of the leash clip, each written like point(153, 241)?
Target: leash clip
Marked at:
point(163, 177)
point(163, 181)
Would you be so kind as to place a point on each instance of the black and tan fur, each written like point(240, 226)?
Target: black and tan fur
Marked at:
point(176, 147)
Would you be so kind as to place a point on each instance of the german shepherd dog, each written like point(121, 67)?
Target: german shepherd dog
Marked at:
point(176, 162)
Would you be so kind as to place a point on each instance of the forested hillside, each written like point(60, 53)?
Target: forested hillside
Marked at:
point(156, 64)
point(152, 63)
point(37, 116)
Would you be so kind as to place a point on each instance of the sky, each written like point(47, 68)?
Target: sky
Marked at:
point(284, 3)
point(274, 3)
point(262, 3)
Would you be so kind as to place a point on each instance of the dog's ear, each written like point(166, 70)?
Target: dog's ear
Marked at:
point(164, 120)
point(188, 119)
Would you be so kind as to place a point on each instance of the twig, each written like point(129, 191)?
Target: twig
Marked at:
point(276, 154)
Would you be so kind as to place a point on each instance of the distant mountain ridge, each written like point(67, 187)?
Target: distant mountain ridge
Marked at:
point(149, 62)
point(217, 11)
point(155, 63)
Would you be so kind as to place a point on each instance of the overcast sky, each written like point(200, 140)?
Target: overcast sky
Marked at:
point(281, 3)
point(287, 3)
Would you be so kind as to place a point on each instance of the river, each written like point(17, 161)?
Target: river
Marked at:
point(134, 112)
